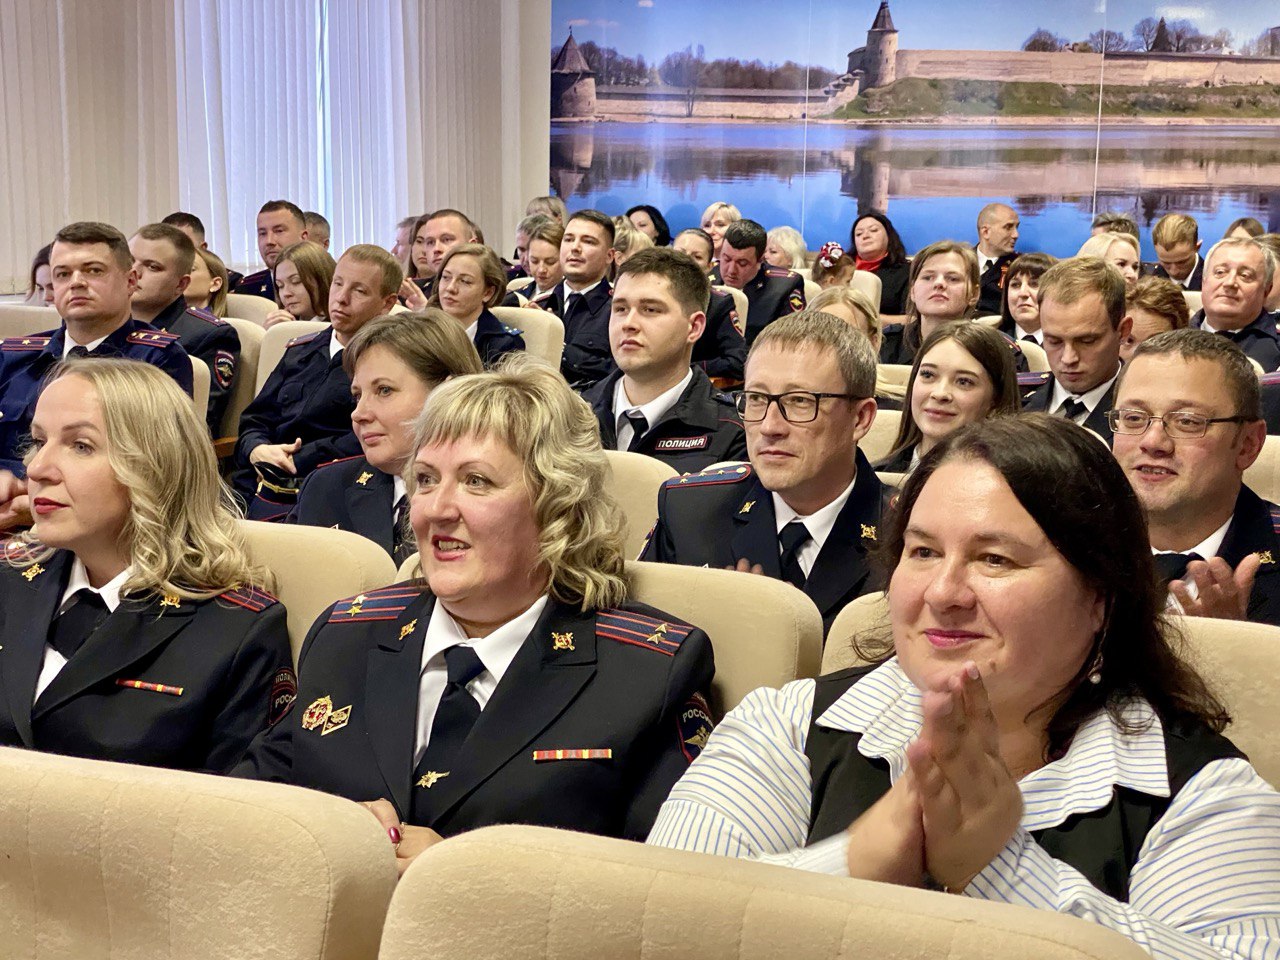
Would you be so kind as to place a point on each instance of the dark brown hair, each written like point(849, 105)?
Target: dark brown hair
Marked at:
point(689, 285)
point(86, 232)
point(1031, 265)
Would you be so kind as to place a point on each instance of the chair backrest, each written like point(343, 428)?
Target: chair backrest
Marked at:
point(245, 384)
point(989, 320)
point(894, 373)
point(542, 894)
point(1037, 359)
point(519, 283)
point(1263, 477)
point(247, 306)
point(764, 632)
point(811, 289)
point(21, 319)
point(634, 482)
point(274, 342)
point(740, 304)
point(122, 860)
point(879, 439)
point(805, 272)
point(543, 331)
point(1194, 300)
point(314, 567)
point(200, 381)
point(895, 480)
point(870, 284)
point(867, 616)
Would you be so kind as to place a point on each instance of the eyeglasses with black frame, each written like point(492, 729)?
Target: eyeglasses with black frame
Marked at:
point(1179, 425)
point(796, 406)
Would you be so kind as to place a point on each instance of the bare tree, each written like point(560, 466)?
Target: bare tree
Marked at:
point(1108, 41)
point(1144, 32)
point(1042, 41)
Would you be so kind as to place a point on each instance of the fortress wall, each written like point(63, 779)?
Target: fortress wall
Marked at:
point(614, 106)
point(1084, 68)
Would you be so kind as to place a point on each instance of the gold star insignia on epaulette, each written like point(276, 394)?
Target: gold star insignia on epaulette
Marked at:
point(170, 600)
point(562, 641)
point(356, 605)
point(408, 628)
point(868, 531)
point(700, 738)
point(658, 634)
point(1264, 556)
point(364, 478)
point(746, 507)
point(32, 572)
point(431, 778)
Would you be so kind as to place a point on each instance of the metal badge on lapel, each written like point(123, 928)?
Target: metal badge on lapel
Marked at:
point(408, 628)
point(32, 572)
point(868, 531)
point(746, 507)
point(561, 641)
point(431, 778)
point(1264, 556)
point(364, 478)
point(170, 600)
point(336, 720)
point(317, 713)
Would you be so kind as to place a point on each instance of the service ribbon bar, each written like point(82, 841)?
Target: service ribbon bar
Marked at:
point(539, 755)
point(153, 687)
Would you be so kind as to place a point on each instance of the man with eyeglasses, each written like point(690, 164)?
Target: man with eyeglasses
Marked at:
point(1237, 275)
point(1187, 425)
point(807, 509)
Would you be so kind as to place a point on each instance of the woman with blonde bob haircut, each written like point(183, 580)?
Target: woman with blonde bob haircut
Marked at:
point(131, 606)
point(553, 699)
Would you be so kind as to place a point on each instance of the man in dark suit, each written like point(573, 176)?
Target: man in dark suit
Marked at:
point(437, 233)
point(1238, 274)
point(162, 257)
point(771, 292)
point(1215, 541)
point(1176, 238)
point(997, 240)
point(655, 403)
point(1083, 321)
point(280, 223)
point(721, 351)
point(583, 297)
point(807, 509)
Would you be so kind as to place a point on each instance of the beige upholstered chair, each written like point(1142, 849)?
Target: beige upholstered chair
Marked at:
point(895, 480)
point(811, 289)
point(634, 483)
point(1037, 359)
point(879, 439)
point(1194, 300)
point(1263, 478)
point(247, 306)
point(519, 284)
point(200, 380)
point(988, 320)
point(531, 893)
point(105, 860)
point(866, 616)
point(20, 319)
point(740, 304)
point(764, 632)
point(896, 374)
point(543, 331)
point(245, 385)
point(869, 283)
point(274, 342)
point(314, 567)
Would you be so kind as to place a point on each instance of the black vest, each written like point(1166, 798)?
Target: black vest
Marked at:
point(1101, 844)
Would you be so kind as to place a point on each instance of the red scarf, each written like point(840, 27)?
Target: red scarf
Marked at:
point(873, 265)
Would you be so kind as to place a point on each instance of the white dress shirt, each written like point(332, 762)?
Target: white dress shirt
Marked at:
point(496, 651)
point(819, 524)
point(53, 661)
point(1020, 334)
point(335, 347)
point(1206, 549)
point(1206, 884)
point(1090, 400)
point(653, 411)
point(68, 344)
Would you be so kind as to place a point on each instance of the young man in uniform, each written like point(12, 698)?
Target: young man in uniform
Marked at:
point(771, 292)
point(280, 223)
point(997, 240)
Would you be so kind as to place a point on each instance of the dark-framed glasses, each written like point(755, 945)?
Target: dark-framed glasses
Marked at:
point(1180, 424)
point(797, 406)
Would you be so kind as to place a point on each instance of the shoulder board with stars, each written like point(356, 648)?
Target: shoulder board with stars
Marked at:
point(1034, 379)
point(19, 551)
point(779, 272)
point(334, 463)
point(385, 604)
point(24, 344)
point(641, 630)
point(1011, 343)
point(305, 338)
point(512, 331)
point(710, 478)
point(202, 314)
point(153, 338)
point(251, 598)
point(1270, 379)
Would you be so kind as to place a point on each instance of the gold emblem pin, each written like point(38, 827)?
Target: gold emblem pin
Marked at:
point(364, 478)
point(336, 720)
point(1265, 556)
point(408, 628)
point(868, 532)
point(746, 507)
point(170, 600)
point(700, 738)
point(562, 641)
point(431, 778)
point(32, 572)
point(316, 714)
point(356, 605)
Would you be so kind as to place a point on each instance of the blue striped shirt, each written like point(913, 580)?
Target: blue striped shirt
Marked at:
point(1206, 883)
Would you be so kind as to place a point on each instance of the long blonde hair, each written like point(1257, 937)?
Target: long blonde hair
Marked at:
point(181, 528)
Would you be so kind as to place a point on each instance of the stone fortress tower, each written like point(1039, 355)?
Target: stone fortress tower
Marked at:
point(573, 84)
point(880, 57)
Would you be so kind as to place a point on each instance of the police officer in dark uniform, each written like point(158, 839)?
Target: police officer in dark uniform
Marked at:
point(280, 224)
point(997, 238)
point(301, 417)
point(656, 403)
point(432, 237)
point(93, 281)
point(469, 283)
point(721, 351)
point(1237, 278)
point(808, 508)
point(352, 494)
point(771, 292)
point(162, 255)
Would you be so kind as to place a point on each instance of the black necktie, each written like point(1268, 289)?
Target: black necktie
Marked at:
point(639, 427)
point(403, 544)
point(1232, 335)
point(83, 614)
point(455, 716)
point(793, 536)
point(78, 351)
point(1173, 566)
point(572, 302)
point(1031, 337)
point(1072, 408)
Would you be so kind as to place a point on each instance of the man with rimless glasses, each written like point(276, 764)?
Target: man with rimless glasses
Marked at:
point(1187, 424)
point(807, 508)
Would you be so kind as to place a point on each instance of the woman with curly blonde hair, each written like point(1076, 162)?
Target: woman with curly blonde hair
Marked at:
point(130, 611)
point(514, 682)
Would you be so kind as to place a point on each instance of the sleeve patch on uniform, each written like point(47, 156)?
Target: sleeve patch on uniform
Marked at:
point(796, 301)
point(683, 443)
point(284, 690)
point(695, 726)
point(224, 368)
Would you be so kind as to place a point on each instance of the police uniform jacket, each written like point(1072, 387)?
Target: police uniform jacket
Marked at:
point(260, 284)
point(1037, 394)
point(309, 396)
point(1197, 275)
point(1270, 384)
point(717, 518)
point(628, 680)
point(352, 495)
point(1255, 528)
point(26, 361)
point(900, 342)
point(701, 429)
point(1260, 340)
point(893, 288)
point(587, 357)
point(494, 338)
point(991, 285)
point(168, 682)
point(721, 351)
point(212, 340)
point(771, 293)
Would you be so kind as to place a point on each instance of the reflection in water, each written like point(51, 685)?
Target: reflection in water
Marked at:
point(931, 181)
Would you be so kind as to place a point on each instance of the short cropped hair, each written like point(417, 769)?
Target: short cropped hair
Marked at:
point(183, 247)
point(1193, 344)
point(810, 328)
point(317, 226)
point(1249, 243)
point(1070, 281)
point(86, 232)
point(1161, 296)
point(855, 300)
point(275, 206)
point(548, 206)
point(746, 234)
point(468, 225)
point(315, 267)
point(991, 213)
point(1175, 228)
point(531, 223)
point(601, 220)
point(526, 404)
point(490, 269)
point(689, 285)
point(430, 343)
point(181, 218)
point(1113, 222)
point(790, 240)
point(392, 272)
